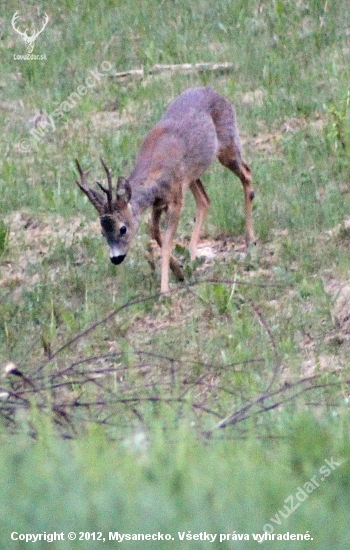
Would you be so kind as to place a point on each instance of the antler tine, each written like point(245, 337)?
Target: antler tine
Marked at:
point(15, 17)
point(108, 192)
point(94, 197)
point(82, 174)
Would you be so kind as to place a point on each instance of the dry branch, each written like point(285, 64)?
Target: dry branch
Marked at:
point(105, 389)
point(225, 67)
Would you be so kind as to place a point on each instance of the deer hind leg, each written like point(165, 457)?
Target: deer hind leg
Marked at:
point(234, 163)
point(230, 155)
point(156, 235)
point(202, 203)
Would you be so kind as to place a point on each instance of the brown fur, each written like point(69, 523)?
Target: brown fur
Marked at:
point(198, 126)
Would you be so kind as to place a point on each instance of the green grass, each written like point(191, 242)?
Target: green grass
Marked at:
point(254, 342)
point(151, 484)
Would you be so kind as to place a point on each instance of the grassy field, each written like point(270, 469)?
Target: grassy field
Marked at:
point(207, 410)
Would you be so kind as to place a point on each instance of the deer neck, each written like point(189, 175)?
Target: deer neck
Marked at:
point(144, 194)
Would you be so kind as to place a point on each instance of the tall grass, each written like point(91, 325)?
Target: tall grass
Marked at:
point(147, 484)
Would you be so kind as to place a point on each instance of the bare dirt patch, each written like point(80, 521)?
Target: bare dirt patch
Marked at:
point(340, 293)
point(31, 239)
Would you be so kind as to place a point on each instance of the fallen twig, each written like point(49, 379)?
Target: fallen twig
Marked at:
point(182, 68)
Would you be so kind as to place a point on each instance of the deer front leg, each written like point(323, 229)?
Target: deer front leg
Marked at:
point(173, 215)
point(155, 233)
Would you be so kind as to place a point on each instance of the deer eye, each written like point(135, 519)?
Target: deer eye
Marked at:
point(123, 230)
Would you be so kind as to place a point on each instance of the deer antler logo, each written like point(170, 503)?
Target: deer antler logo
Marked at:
point(29, 40)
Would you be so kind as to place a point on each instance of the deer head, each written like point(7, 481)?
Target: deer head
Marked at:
point(118, 223)
point(29, 40)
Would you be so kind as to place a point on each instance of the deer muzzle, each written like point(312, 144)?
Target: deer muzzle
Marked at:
point(116, 260)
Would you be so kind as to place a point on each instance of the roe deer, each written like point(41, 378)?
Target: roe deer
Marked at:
point(197, 127)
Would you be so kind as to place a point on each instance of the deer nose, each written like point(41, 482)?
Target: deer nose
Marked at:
point(116, 260)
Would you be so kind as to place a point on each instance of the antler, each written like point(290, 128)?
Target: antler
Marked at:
point(94, 197)
point(109, 191)
point(13, 21)
point(35, 35)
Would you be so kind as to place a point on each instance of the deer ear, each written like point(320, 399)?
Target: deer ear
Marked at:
point(123, 190)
